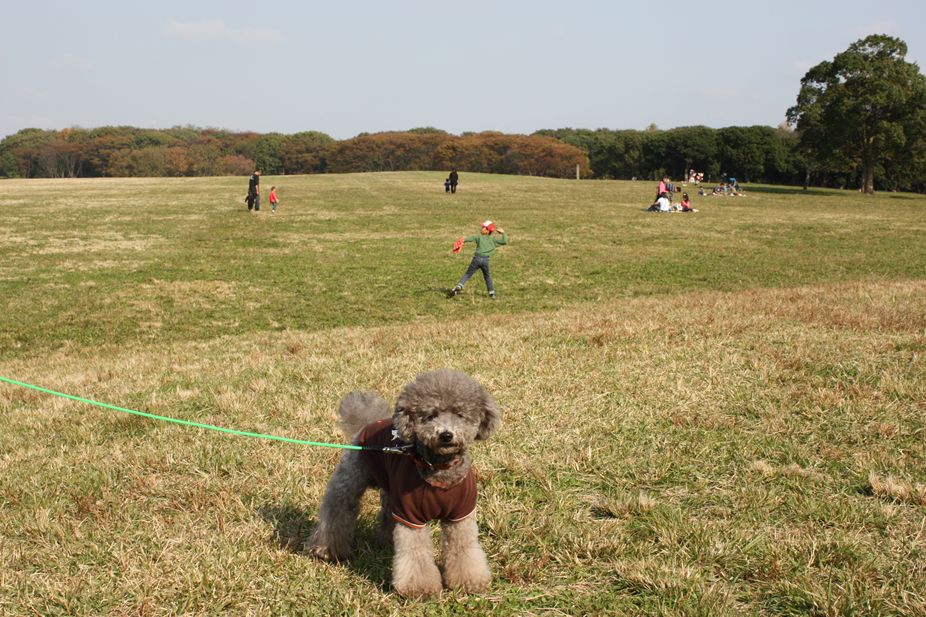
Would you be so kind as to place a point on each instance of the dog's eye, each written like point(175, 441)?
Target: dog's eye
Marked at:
point(431, 416)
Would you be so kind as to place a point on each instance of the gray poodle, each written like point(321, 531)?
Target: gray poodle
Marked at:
point(418, 458)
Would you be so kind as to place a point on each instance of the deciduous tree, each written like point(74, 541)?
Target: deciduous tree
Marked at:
point(863, 110)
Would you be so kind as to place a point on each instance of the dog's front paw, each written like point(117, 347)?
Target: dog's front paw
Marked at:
point(416, 578)
point(423, 587)
point(469, 572)
point(471, 582)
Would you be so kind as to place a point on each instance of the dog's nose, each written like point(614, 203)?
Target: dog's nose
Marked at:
point(446, 437)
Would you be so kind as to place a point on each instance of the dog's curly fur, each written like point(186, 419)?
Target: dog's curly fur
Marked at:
point(442, 412)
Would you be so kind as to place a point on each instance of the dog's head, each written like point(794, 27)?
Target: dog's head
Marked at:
point(445, 410)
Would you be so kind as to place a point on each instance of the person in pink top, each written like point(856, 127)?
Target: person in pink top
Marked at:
point(662, 187)
point(686, 204)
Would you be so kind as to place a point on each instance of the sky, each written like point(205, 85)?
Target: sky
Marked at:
point(352, 66)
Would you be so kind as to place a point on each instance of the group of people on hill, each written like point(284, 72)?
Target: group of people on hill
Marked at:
point(664, 203)
point(724, 189)
point(490, 236)
point(666, 190)
point(664, 193)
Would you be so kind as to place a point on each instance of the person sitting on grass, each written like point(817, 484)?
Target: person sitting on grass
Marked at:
point(662, 204)
point(686, 204)
point(486, 244)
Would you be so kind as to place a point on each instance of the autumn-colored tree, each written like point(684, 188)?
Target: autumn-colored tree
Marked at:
point(235, 165)
point(177, 161)
point(306, 152)
point(149, 161)
point(386, 152)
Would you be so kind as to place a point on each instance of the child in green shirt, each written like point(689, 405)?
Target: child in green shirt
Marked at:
point(486, 244)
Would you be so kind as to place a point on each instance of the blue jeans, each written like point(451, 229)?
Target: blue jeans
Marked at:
point(479, 262)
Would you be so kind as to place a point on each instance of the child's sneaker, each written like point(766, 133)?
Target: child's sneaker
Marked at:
point(492, 295)
point(457, 289)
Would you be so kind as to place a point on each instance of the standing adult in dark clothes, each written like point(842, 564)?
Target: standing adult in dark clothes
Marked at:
point(454, 180)
point(254, 191)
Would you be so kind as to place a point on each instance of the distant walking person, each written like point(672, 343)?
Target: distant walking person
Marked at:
point(254, 191)
point(454, 180)
point(485, 246)
point(274, 200)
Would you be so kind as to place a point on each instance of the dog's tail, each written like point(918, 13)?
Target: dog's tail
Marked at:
point(359, 408)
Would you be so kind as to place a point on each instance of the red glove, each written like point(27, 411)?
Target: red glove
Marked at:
point(458, 245)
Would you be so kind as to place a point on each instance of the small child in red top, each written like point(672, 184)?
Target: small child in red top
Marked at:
point(274, 200)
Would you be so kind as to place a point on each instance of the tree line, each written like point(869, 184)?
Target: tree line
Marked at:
point(190, 151)
point(859, 121)
point(750, 153)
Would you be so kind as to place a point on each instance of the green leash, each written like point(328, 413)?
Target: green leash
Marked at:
point(209, 427)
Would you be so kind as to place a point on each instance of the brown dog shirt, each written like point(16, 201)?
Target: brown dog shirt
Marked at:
point(413, 501)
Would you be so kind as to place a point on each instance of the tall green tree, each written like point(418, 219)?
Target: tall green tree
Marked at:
point(863, 110)
point(691, 147)
point(267, 153)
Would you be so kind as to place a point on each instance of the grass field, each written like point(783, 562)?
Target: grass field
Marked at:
point(719, 413)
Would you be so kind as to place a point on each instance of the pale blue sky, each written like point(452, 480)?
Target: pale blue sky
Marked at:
point(365, 66)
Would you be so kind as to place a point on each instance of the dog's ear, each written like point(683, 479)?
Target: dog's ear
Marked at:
point(491, 417)
point(402, 423)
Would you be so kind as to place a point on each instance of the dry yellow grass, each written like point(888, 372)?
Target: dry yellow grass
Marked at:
point(707, 449)
point(891, 488)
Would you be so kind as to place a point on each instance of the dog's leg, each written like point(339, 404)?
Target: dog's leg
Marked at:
point(386, 522)
point(414, 573)
point(337, 516)
point(464, 561)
